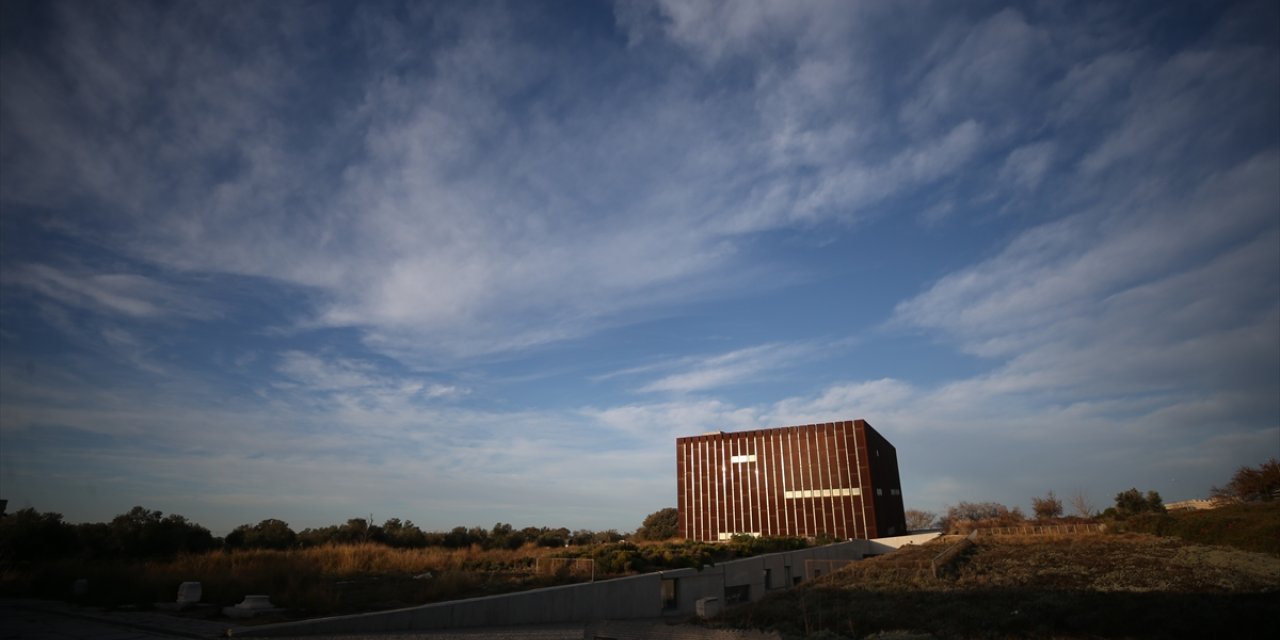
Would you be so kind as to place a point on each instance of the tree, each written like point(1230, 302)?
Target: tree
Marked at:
point(1047, 507)
point(606, 536)
point(29, 535)
point(918, 520)
point(1081, 505)
point(142, 533)
point(268, 534)
point(1252, 485)
point(1132, 502)
point(403, 534)
point(971, 513)
point(663, 524)
point(505, 536)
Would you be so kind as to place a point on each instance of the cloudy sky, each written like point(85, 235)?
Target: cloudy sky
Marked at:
point(464, 262)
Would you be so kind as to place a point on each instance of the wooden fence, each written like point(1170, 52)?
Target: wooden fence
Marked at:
point(1047, 530)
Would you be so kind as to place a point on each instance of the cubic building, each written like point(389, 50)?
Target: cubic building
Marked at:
point(839, 479)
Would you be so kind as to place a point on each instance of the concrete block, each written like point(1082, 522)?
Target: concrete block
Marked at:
point(707, 607)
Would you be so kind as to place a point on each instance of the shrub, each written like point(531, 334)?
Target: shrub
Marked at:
point(967, 516)
point(1047, 507)
point(1132, 502)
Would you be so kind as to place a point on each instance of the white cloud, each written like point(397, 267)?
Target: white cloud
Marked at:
point(472, 191)
point(1065, 270)
point(734, 367)
point(1026, 166)
point(123, 294)
point(430, 208)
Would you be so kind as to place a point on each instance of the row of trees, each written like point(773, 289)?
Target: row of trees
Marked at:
point(139, 533)
point(142, 533)
point(1048, 507)
point(1249, 484)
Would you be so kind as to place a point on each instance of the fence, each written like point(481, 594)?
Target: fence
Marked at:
point(1057, 529)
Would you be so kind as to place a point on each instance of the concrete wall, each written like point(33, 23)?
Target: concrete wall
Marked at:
point(886, 545)
point(632, 597)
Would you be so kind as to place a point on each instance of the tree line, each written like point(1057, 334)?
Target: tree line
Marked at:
point(143, 533)
point(1248, 484)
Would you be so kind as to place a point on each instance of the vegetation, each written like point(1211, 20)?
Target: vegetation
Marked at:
point(1008, 586)
point(1082, 506)
point(28, 536)
point(660, 525)
point(331, 579)
point(1047, 507)
point(918, 520)
point(1182, 581)
point(1132, 502)
point(1252, 485)
point(967, 516)
point(1251, 527)
point(144, 555)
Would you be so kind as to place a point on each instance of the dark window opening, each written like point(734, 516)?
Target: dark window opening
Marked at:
point(669, 598)
point(738, 594)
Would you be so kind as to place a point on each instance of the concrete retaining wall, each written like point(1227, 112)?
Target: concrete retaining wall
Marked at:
point(632, 597)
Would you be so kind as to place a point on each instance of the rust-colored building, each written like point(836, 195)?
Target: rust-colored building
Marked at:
point(838, 478)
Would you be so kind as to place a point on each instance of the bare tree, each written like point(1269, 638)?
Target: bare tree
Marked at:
point(1081, 505)
point(918, 520)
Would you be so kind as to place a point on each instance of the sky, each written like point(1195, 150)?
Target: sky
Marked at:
point(474, 262)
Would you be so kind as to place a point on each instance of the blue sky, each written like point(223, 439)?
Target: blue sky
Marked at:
point(464, 263)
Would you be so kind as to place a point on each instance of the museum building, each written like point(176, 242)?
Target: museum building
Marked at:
point(837, 480)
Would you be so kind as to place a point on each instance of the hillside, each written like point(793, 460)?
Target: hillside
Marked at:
point(1088, 586)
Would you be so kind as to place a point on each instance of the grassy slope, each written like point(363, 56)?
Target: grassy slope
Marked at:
point(1252, 527)
point(1090, 586)
point(352, 578)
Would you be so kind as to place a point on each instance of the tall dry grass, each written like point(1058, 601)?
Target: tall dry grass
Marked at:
point(333, 578)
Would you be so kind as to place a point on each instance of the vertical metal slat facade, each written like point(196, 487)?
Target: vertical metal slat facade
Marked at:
point(837, 478)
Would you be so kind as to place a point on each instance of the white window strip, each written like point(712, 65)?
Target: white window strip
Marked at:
point(726, 536)
point(822, 493)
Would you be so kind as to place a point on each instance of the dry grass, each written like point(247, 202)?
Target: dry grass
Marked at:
point(1097, 585)
point(330, 579)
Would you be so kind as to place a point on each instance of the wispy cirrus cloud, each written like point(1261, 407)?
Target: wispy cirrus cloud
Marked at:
point(124, 294)
point(742, 365)
point(429, 213)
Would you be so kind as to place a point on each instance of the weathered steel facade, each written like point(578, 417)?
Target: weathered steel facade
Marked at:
point(838, 478)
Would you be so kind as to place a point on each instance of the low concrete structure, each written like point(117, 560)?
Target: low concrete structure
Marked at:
point(1198, 504)
point(189, 594)
point(651, 595)
point(254, 605)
